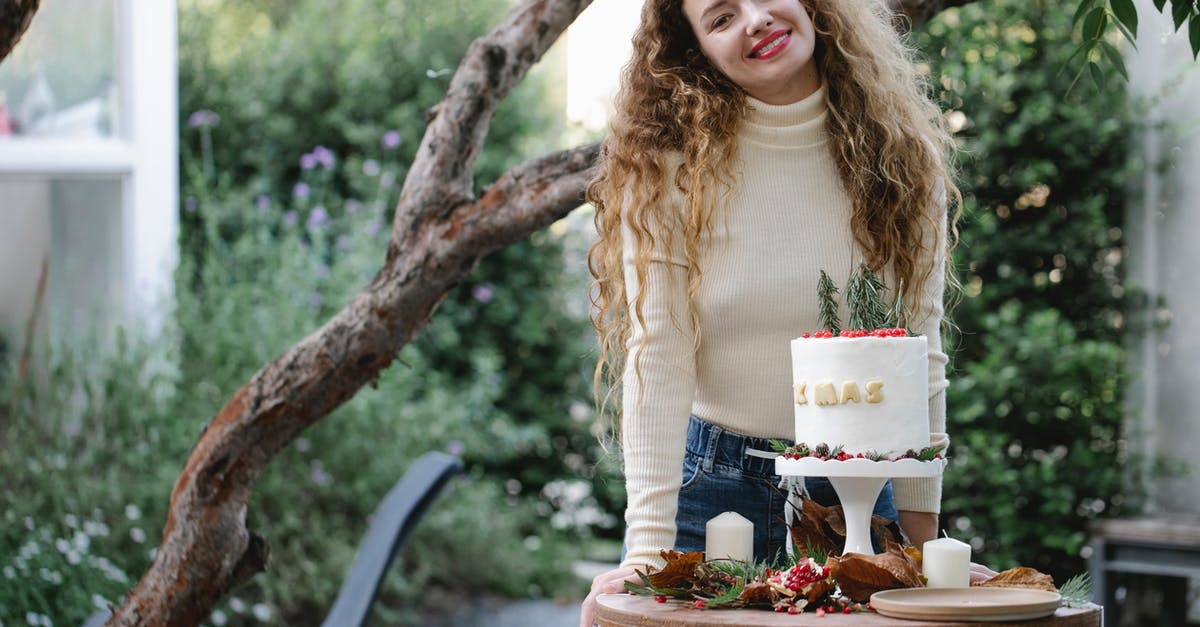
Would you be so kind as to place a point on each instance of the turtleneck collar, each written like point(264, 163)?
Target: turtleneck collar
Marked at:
point(793, 125)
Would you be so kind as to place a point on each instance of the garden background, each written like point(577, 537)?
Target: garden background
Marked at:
point(297, 121)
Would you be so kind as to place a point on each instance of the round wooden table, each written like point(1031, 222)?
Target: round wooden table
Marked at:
point(626, 610)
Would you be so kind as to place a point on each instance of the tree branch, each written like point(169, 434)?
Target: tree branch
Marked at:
point(439, 234)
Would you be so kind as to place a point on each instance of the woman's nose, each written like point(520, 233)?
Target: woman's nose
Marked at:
point(759, 21)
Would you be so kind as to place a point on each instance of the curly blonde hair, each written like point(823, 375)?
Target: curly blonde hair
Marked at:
point(676, 114)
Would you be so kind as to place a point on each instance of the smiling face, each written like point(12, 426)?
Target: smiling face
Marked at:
point(764, 46)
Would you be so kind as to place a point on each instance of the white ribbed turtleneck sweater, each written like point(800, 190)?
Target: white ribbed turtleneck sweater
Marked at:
point(788, 218)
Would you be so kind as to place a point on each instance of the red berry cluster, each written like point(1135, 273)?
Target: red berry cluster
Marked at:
point(885, 332)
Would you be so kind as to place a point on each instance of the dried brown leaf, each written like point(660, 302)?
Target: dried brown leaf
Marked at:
point(818, 589)
point(1020, 577)
point(860, 576)
point(813, 529)
point(679, 571)
point(758, 593)
point(887, 530)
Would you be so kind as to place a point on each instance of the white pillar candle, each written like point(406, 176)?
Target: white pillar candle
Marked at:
point(946, 563)
point(729, 536)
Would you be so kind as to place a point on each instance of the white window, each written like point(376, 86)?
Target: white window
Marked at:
point(89, 164)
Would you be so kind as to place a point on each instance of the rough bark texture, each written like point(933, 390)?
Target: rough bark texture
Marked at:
point(15, 16)
point(440, 231)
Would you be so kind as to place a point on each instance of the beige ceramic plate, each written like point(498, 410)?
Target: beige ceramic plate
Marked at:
point(978, 604)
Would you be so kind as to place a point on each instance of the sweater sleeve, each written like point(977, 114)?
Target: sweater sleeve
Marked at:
point(925, 494)
point(658, 385)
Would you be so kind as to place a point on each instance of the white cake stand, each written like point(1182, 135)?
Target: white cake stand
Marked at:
point(857, 482)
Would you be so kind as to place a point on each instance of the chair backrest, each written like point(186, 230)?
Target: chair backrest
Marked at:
point(393, 521)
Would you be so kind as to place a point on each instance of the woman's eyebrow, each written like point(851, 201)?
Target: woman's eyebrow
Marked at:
point(713, 6)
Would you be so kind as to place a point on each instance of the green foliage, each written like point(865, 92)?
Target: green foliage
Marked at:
point(1035, 403)
point(299, 121)
point(1098, 18)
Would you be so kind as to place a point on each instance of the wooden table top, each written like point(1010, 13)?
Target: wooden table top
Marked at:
point(626, 610)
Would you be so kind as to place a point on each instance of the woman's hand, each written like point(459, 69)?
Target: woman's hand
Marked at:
point(979, 573)
point(611, 582)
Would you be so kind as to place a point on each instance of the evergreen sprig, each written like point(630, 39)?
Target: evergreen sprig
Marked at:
point(863, 296)
point(1077, 591)
point(828, 308)
point(897, 316)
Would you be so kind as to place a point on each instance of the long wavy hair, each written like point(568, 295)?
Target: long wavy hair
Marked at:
point(672, 134)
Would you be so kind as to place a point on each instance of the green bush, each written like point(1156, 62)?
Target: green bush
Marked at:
point(1035, 404)
point(298, 122)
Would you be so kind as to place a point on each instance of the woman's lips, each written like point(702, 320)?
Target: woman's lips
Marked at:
point(771, 45)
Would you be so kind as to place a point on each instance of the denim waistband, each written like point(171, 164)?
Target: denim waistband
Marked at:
point(718, 446)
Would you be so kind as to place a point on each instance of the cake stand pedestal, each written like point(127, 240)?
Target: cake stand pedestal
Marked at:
point(857, 482)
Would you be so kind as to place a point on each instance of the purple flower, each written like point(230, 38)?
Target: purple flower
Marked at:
point(455, 447)
point(290, 218)
point(301, 190)
point(391, 139)
point(352, 206)
point(370, 167)
point(302, 444)
point(314, 300)
point(71, 429)
point(308, 161)
point(324, 156)
point(190, 204)
point(203, 118)
point(262, 202)
point(321, 271)
point(317, 218)
point(343, 242)
point(319, 476)
point(483, 292)
point(374, 227)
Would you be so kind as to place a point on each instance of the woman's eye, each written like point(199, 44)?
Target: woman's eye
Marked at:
point(721, 21)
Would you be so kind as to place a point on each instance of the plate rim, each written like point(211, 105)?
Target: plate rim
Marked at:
point(1049, 605)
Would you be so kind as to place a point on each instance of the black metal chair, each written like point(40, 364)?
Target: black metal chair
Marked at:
point(393, 521)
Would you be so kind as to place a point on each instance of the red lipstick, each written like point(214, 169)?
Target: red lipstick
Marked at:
point(757, 51)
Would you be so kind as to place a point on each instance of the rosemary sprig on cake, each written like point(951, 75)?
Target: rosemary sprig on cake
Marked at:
point(864, 298)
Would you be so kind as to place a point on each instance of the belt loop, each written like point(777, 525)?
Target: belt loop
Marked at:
point(710, 447)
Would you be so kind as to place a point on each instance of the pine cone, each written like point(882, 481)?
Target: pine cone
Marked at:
point(822, 450)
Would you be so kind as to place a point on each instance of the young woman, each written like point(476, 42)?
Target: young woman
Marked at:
point(754, 144)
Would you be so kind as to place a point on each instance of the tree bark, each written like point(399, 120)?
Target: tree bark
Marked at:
point(15, 16)
point(439, 232)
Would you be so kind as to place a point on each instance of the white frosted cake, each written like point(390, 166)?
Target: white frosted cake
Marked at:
point(863, 394)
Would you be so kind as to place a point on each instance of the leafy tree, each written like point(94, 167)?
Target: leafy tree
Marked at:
point(1036, 398)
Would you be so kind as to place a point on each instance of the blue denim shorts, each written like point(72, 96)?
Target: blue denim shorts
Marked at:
point(719, 476)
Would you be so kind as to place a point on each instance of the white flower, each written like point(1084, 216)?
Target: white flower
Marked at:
point(10, 572)
point(62, 545)
point(99, 601)
point(218, 618)
point(71, 521)
point(132, 512)
point(32, 619)
point(29, 523)
point(262, 612)
point(82, 541)
point(137, 535)
point(237, 605)
point(95, 529)
point(74, 557)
